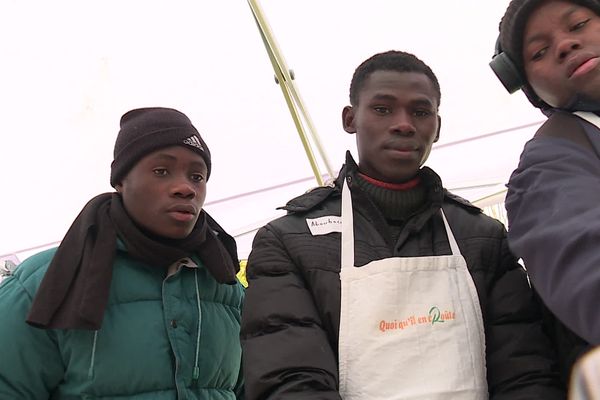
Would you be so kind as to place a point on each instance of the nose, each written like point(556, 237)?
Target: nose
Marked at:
point(566, 45)
point(403, 124)
point(182, 188)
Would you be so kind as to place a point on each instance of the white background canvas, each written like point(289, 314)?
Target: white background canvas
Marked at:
point(69, 69)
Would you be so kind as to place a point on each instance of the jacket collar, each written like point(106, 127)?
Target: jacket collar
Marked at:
point(313, 197)
point(316, 196)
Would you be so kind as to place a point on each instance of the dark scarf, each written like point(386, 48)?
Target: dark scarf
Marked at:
point(74, 291)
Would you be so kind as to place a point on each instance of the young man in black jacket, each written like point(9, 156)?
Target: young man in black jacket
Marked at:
point(384, 285)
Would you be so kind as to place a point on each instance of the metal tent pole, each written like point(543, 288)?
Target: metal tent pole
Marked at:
point(285, 78)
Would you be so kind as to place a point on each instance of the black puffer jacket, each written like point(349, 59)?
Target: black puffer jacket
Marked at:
point(291, 315)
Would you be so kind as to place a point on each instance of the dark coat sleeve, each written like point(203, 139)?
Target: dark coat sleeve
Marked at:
point(521, 363)
point(553, 205)
point(286, 351)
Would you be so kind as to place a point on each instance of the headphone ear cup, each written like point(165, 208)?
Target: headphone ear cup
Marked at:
point(505, 69)
point(507, 72)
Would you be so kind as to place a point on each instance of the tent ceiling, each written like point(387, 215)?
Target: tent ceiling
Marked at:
point(72, 68)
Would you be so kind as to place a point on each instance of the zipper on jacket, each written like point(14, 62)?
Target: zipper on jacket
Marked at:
point(93, 356)
point(177, 386)
point(196, 372)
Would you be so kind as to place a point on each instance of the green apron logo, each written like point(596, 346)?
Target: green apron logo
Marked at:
point(435, 315)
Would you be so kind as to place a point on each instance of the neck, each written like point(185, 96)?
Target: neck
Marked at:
point(396, 201)
point(410, 184)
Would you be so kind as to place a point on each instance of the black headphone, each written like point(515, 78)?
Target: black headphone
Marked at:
point(506, 70)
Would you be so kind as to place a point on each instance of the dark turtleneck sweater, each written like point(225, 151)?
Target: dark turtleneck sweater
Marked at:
point(397, 202)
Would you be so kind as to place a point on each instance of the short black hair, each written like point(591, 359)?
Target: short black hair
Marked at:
point(391, 60)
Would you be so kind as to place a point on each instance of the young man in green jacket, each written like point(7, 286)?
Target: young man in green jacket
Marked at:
point(140, 300)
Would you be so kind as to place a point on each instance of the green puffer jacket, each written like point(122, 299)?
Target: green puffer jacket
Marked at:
point(148, 347)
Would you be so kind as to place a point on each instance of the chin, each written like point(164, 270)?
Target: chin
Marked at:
point(175, 234)
point(179, 235)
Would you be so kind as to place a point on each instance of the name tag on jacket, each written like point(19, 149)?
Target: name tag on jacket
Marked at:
point(324, 225)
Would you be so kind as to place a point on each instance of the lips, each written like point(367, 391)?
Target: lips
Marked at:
point(580, 64)
point(402, 146)
point(183, 208)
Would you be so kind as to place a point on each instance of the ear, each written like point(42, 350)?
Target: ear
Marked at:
point(348, 119)
point(437, 135)
point(119, 187)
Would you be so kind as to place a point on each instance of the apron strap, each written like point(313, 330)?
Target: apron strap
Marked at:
point(589, 117)
point(347, 227)
point(451, 239)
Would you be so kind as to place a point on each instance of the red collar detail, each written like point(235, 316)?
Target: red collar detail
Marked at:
point(393, 186)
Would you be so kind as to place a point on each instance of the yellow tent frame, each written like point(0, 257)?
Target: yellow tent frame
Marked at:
point(285, 78)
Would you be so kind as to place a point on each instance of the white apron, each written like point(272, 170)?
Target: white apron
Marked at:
point(589, 117)
point(410, 327)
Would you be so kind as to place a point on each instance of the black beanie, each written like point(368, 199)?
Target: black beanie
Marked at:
point(512, 29)
point(145, 130)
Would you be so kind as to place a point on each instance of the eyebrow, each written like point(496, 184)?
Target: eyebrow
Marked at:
point(389, 97)
point(424, 101)
point(383, 97)
point(165, 155)
point(542, 36)
point(169, 157)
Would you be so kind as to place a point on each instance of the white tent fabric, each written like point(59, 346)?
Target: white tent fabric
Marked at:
point(70, 70)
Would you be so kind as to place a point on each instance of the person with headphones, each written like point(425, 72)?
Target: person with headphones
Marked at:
point(550, 49)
